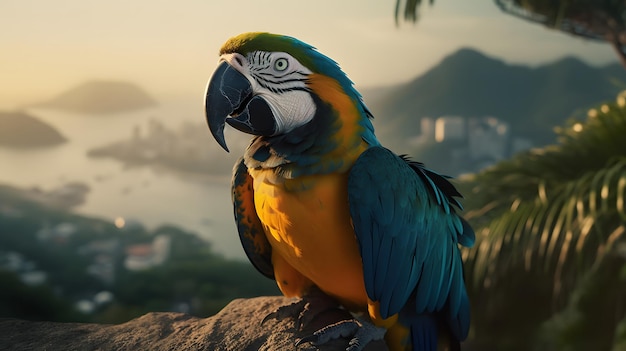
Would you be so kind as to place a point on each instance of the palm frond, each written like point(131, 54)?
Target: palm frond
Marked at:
point(555, 210)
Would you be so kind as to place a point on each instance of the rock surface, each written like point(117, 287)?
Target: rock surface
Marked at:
point(237, 327)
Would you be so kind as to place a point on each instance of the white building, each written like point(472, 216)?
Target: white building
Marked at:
point(488, 138)
point(450, 128)
point(34, 278)
point(144, 256)
point(59, 233)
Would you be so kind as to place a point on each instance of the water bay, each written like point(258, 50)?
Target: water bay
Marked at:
point(145, 194)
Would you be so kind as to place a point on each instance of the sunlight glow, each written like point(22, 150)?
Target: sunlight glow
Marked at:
point(605, 108)
point(592, 113)
point(120, 222)
point(543, 196)
point(515, 204)
point(577, 127)
point(604, 193)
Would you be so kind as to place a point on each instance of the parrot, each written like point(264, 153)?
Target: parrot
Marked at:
point(320, 204)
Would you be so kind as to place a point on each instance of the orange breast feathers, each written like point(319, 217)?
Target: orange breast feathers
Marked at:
point(310, 232)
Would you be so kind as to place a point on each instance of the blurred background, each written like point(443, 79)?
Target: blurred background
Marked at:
point(114, 198)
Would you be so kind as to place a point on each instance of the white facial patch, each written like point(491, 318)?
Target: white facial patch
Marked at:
point(280, 79)
point(291, 109)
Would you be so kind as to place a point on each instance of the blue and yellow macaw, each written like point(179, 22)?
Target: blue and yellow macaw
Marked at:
point(320, 204)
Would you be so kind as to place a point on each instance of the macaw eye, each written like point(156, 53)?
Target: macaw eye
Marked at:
point(281, 64)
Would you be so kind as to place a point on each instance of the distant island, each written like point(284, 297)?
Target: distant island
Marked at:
point(101, 97)
point(21, 130)
point(187, 150)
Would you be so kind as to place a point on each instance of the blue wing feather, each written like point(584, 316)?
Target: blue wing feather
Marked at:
point(402, 292)
point(381, 266)
point(407, 228)
point(468, 236)
point(447, 283)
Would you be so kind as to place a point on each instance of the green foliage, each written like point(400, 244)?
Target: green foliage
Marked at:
point(18, 300)
point(560, 206)
point(193, 278)
point(594, 19)
point(620, 336)
point(591, 320)
point(601, 20)
point(549, 218)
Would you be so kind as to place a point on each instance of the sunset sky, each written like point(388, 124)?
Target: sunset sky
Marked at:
point(170, 48)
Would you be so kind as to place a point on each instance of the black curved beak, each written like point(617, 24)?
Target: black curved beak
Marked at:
point(230, 98)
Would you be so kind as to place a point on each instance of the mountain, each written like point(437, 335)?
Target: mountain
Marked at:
point(471, 84)
point(101, 97)
point(617, 74)
point(20, 130)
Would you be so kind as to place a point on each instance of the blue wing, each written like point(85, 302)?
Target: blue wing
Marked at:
point(249, 225)
point(408, 232)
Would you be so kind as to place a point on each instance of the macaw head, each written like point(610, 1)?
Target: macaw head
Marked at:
point(271, 85)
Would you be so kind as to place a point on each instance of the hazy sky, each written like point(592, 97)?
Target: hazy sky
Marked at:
point(170, 47)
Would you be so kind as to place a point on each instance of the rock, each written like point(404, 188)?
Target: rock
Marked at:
point(237, 327)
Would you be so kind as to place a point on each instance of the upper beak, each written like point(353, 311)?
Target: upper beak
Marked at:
point(230, 98)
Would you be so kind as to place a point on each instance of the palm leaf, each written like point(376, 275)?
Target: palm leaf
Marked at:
point(554, 210)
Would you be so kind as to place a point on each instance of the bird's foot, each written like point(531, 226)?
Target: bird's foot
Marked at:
point(311, 306)
point(361, 333)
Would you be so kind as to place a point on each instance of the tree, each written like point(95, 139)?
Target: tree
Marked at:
point(599, 20)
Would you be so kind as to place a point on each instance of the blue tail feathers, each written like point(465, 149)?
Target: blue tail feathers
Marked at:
point(424, 333)
point(429, 332)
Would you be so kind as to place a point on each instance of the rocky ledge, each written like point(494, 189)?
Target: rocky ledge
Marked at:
point(237, 327)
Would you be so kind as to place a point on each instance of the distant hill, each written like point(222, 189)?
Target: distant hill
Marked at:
point(20, 130)
point(101, 97)
point(617, 71)
point(471, 84)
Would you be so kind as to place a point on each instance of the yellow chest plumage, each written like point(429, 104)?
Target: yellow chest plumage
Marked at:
point(310, 232)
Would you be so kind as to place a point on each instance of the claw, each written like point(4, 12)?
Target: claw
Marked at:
point(313, 305)
point(273, 315)
point(311, 338)
point(334, 331)
point(318, 311)
point(288, 311)
point(362, 333)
